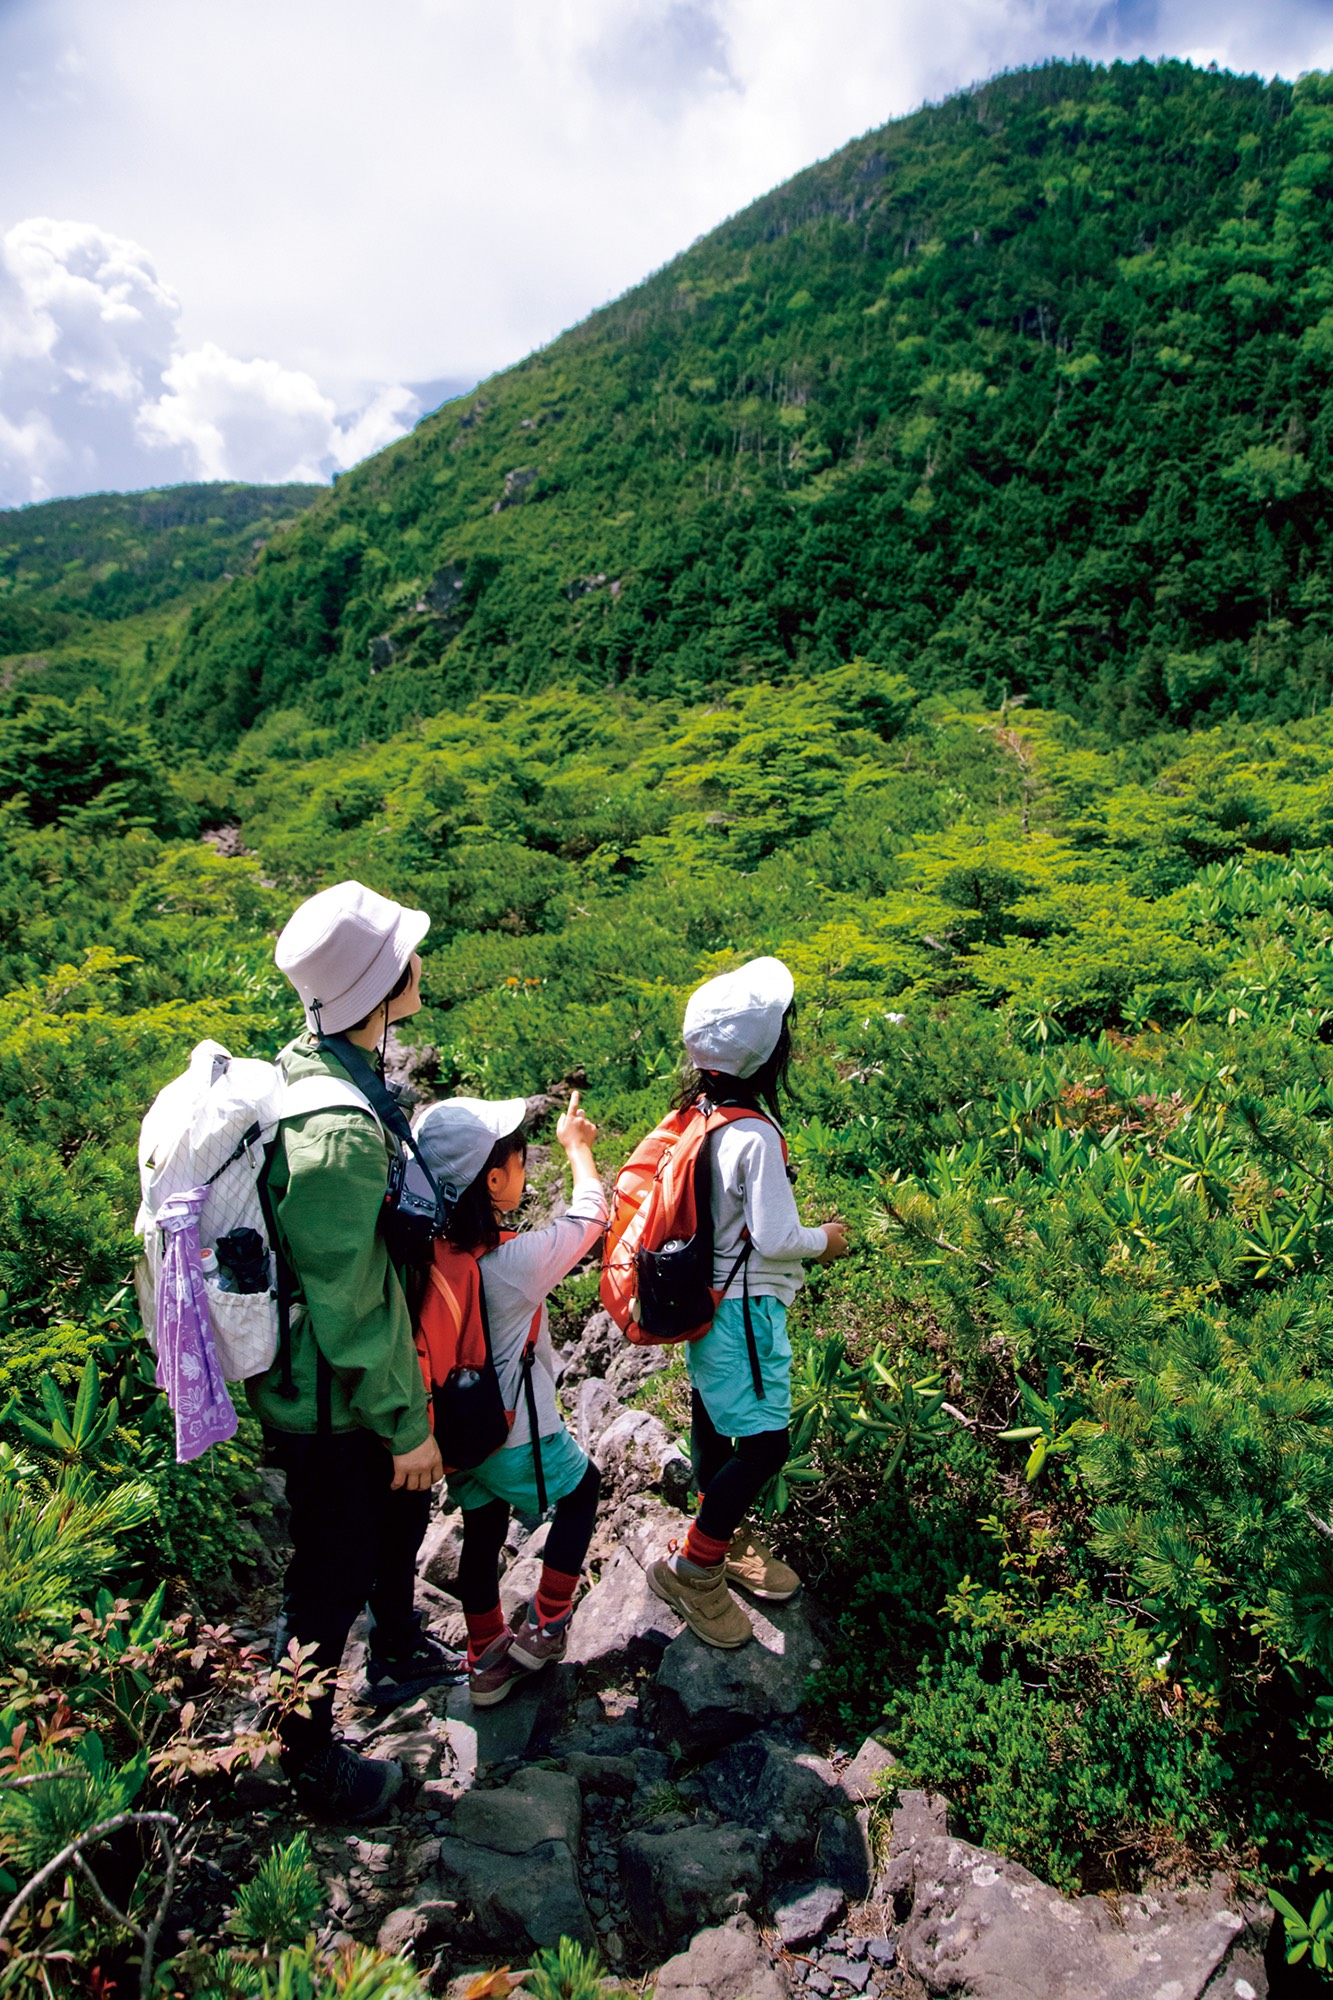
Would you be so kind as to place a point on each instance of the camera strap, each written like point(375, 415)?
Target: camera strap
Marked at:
point(384, 1099)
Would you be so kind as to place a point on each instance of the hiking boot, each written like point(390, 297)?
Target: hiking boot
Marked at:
point(430, 1663)
point(337, 1784)
point(491, 1677)
point(753, 1565)
point(702, 1599)
point(535, 1645)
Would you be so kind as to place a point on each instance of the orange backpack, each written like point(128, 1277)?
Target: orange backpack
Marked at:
point(453, 1342)
point(657, 1267)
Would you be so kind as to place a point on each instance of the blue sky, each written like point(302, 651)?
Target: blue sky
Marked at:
point(237, 239)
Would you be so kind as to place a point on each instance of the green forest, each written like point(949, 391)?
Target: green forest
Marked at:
point(925, 579)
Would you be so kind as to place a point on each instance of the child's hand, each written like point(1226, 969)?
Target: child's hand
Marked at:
point(835, 1241)
point(573, 1129)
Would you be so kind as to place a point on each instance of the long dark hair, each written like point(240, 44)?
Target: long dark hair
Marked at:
point(767, 1087)
point(470, 1224)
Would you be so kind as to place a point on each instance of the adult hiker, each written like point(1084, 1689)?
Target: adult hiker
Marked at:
point(501, 1279)
point(738, 1036)
point(344, 1410)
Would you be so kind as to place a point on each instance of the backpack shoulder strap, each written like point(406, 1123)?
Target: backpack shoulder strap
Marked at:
point(729, 1114)
point(325, 1093)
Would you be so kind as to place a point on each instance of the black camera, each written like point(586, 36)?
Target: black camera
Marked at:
point(413, 1214)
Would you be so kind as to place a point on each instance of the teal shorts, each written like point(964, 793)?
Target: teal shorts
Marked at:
point(720, 1368)
point(510, 1474)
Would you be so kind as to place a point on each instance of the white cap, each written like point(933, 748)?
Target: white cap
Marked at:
point(457, 1136)
point(345, 950)
point(732, 1023)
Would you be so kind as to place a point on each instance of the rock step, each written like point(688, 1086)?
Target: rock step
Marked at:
point(657, 1800)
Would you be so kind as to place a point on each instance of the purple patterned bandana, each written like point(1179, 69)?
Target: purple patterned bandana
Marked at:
point(187, 1362)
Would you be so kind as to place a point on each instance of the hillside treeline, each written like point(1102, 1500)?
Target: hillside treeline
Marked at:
point(1027, 393)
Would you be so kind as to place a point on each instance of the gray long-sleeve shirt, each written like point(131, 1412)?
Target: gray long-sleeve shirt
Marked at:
point(751, 1192)
point(517, 1277)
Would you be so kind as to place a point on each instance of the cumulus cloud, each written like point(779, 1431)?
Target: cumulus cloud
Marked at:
point(98, 390)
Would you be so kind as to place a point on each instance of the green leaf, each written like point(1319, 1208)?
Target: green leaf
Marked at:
point(85, 1403)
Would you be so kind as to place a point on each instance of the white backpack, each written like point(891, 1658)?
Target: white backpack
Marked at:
point(212, 1127)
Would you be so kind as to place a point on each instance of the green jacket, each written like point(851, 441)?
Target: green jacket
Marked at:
point(327, 1185)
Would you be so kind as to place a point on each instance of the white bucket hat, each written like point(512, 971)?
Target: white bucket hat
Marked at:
point(457, 1136)
point(732, 1023)
point(345, 950)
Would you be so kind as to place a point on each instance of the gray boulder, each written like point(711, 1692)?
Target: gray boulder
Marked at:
point(637, 1452)
point(602, 1350)
point(429, 1919)
point(802, 1917)
point(778, 1785)
point(646, 1526)
point(517, 481)
point(843, 1850)
point(613, 1777)
point(534, 1807)
point(860, 1779)
point(519, 1582)
point(596, 1407)
point(441, 1547)
point(592, 1353)
point(518, 1901)
point(771, 1777)
point(619, 1619)
point(729, 1963)
point(680, 1878)
point(705, 1697)
point(984, 1925)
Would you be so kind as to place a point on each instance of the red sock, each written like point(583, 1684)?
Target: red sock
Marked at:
point(705, 1551)
point(482, 1628)
point(555, 1594)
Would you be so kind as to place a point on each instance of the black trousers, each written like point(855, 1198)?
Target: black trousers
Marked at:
point(484, 1530)
point(730, 1475)
point(354, 1543)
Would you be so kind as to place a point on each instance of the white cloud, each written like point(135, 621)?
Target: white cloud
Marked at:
point(432, 188)
point(97, 389)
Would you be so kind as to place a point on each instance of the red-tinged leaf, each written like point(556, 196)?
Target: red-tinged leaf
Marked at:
point(494, 1985)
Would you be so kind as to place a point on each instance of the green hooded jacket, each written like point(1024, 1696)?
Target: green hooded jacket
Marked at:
point(327, 1184)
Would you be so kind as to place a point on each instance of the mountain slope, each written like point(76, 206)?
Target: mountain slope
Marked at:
point(73, 571)
point(1029, 391)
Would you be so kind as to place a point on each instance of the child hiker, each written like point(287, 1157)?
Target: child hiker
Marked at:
point(476, 1151)
point(738, 1037)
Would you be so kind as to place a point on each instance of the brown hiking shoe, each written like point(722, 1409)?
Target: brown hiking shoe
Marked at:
point(491, 1677)
point(753, 1565)
point(534, 1645)
point(703, 1601)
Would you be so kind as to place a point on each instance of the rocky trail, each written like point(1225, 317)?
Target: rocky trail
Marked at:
point(660, 1801)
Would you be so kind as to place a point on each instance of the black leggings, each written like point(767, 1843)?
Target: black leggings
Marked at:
point(354, 1542)
point(730, 1475)
point(484, 1530)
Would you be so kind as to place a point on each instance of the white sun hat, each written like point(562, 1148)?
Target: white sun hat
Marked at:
point(732, 1023)
point(345, 950)
point(457, 1135)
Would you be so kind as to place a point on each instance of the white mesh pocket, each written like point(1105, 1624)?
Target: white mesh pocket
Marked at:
point(245, 1331)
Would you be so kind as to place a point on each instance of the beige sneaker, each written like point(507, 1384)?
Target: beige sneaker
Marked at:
point(703, 1601)
point(753, 1565)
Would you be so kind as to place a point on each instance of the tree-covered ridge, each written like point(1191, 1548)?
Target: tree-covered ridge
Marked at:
point(68, 567)
point(1028, 392)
